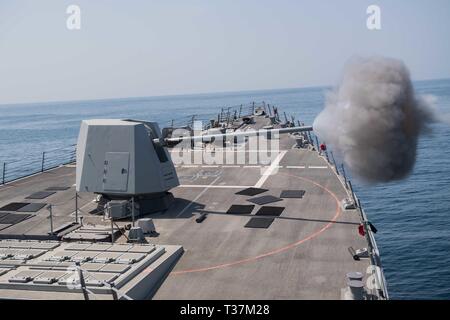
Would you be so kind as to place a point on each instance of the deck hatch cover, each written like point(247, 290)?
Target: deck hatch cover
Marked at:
point(114, 268)
point(40, 195)
point(98, 247)
point(292, 194)
point(240, 209)
point(24, 276)
point(14, 206)
point(57, 188)
point(264, 199)
point(49, 277)
point(119, 248)
point(14, 218)
point(260, 223)
point(78, 246)
point(83, 256)
point(130, 258)
point(106, 257)
point(251, 191)
point(142, 249)
point(29, 254)
point(97, 279)
point(269, 211)
point(32, 207)
point(89, 266)
point(115, 176)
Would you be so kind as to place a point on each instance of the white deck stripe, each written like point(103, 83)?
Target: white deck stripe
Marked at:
point(252, 166)
point(270, 170)
point(295, 167)
point(212, 187)
point(198, 196)
point(317, 167)
point(189, 166)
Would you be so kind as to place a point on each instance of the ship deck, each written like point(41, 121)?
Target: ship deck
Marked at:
point(303, 254)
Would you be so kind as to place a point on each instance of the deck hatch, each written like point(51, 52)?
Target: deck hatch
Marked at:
point(114, 268)
point(89, 266)
point(57, 188)
point(240, 209)
point(106, 257)
point(98, 247)
point(269, 211)
point(130, 258)
point(98, 279)
point(13, 218)
point(78, 246)
point(251, 191)
point(25, 276)
point(14, 206)
point(40, 195)
point(292, 194)
point(49, 277)
point(32, 207)
point(259, 223)
point(264, 199)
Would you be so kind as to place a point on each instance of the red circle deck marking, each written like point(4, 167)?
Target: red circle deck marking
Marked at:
point(275, 251)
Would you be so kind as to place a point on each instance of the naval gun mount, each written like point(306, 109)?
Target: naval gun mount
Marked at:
point(126, 163)
point(117, 160)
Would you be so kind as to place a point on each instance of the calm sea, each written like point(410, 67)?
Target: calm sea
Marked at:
point(412, 216)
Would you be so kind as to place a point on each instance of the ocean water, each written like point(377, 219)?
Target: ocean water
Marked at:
point(412, 216)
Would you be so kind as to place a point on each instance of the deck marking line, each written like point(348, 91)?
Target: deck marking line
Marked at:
point(270, 169)
point(317, 167)
point(282, 249)
point(212, 187)
point(295, 167)
point(197, 197)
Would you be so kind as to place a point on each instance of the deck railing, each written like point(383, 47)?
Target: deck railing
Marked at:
point(13, 170)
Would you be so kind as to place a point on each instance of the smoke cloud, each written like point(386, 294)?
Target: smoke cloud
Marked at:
point(373, 119)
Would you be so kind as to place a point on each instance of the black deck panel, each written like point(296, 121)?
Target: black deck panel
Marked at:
point(57, 188)
point(14, 206)
point(40, 195)
point(292, 194)
point(251, 191)
point(241, 209)
point(32, 207)
point(269, 211)
point(264, 199)
point(260, 223)
point(13, 218)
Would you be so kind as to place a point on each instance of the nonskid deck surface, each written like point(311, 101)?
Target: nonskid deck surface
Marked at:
point(303, 254)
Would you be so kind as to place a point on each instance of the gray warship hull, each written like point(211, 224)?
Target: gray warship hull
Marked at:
point(302, 246)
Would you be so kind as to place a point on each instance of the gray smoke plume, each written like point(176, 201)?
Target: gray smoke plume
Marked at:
point(373, 119)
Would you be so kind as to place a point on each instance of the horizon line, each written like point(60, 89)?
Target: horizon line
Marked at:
point(185, 94)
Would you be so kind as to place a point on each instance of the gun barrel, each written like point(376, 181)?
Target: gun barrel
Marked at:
point(248, 133)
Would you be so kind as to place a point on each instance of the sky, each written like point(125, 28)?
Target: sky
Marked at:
point(145, 48)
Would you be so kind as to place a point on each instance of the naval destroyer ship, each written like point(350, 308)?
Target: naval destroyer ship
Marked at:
point(143, 213)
